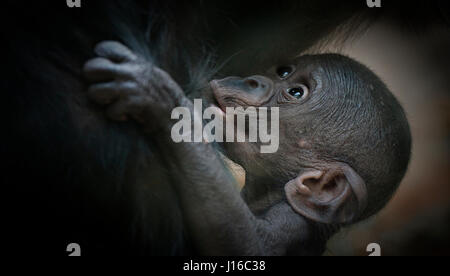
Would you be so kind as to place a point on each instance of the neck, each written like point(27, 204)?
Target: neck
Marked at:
point(315, 240)
point(261, 193)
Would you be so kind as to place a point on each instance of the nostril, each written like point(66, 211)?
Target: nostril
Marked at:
point(252, 83)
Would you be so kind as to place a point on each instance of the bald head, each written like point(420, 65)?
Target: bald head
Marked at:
point(344, 138)
point(370, 131)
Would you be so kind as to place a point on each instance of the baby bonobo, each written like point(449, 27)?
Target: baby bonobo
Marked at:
point(344, 146)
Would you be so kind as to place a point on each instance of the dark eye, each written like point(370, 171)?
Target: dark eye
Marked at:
point(299, 92)
point(284, 71)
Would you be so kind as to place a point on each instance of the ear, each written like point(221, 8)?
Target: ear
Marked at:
point(334, 195)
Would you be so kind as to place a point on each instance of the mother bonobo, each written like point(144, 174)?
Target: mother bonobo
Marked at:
point(344, 148)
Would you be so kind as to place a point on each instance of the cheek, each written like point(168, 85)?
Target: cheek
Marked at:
point(293, 137)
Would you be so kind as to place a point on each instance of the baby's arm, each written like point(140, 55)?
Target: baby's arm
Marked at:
point(220, 222)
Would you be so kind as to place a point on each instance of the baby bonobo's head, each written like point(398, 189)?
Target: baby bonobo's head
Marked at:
point(344, 139)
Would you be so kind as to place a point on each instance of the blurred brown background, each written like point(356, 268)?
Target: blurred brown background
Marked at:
point(416, 67)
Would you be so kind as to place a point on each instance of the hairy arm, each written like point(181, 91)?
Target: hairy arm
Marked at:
point(219, 220)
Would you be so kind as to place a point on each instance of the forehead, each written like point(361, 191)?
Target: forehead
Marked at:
point(307, 63)
point(307, 60)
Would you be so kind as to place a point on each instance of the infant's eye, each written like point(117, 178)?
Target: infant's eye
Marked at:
point(298, 92)
point(284, 71)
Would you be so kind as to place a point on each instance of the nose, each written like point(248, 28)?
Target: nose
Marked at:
point(257, 85)
point(253, 90)
point(252, 83)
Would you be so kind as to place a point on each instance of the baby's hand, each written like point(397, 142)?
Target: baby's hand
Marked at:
point(130, 86)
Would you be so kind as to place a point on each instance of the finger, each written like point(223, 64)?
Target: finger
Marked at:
point(164, 81)
point(101, 69)
point(104, 93)
point(115, 51)
point(120, 110)
point(136, 106)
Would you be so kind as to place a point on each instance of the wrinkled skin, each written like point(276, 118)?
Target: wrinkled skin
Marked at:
point(264, 223)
